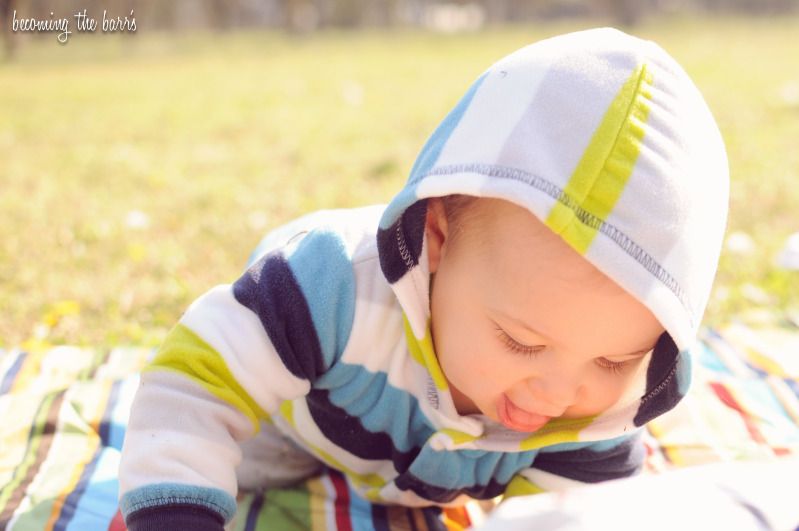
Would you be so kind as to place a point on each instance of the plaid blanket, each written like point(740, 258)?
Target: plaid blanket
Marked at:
point(64, 412)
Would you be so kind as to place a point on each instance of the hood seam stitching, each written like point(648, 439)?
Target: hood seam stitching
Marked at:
point(406, 257)
point(662, 385)
point(617, 236)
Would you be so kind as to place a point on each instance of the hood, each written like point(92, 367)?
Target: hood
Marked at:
point(607, 141)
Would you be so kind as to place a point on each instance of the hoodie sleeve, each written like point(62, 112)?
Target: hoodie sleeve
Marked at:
point(559, 468)
point(237, 353)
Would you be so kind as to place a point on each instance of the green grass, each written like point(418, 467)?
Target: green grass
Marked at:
point(218, 137)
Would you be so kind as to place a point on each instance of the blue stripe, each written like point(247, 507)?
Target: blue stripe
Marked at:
point(380, 407)
point(429, 155)
point(708, 358)
point(69, 509)
point(360, 511)
point(683, 374)
point(74, 503)
point(98, 505)
point(470, 470)
point(400, 202)
point(165, 494)
point(11, 374)
point(322, 267)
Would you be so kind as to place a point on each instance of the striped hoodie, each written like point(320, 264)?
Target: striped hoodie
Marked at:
point(326, 335)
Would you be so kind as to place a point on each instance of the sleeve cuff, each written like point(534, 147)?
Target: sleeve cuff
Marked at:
point(178, 516)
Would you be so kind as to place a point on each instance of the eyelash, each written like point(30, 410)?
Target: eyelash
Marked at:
point(525, 350)
point(516, 347)
point(613, 366)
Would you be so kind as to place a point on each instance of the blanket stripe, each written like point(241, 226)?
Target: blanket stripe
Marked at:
point(71, 516)
point(16, 361)
point(41, 437)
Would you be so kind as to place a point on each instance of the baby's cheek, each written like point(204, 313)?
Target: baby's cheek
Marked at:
point(495, 372)
point(597, 397)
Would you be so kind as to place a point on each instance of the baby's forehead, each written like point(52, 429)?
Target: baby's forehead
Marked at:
point(513, 233)
point(507, 219)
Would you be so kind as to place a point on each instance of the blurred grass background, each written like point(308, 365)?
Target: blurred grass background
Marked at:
point(138, 171)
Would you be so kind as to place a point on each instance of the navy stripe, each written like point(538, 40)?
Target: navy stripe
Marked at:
point(346, 431)
point(592, 466)
point(409, 516)
point(400, 245)
point(667, 390)
point(269, 289)
point(432, 517)
point(380, 406)
point(435, 494)
point(252, 513)
point(11, 375)
point(380, 518)
point(70, 506)
point(323, 270)
point(107, 419)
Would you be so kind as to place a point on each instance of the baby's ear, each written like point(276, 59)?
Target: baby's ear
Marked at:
point(435, 231)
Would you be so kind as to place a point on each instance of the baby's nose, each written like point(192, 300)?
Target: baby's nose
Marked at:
point(555, 392)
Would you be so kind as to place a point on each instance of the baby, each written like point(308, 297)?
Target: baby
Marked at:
point(506, 325)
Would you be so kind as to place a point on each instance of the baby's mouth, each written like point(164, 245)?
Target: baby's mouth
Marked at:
point(518, 419)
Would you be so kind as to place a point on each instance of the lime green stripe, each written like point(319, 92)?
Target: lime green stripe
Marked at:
point(370, 480)
point(606, 165)
point(458, 437)
point(557, 431)
point(186, 353)
point(521, 486)
point(423, 352)
point(286, 509)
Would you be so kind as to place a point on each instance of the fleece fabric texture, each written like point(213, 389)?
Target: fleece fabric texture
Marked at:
point(600, 135)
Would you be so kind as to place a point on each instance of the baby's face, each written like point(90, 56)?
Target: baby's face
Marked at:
point(524, 328)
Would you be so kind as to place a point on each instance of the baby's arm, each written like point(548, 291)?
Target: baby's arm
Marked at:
point(573, 464)
point(238, 352)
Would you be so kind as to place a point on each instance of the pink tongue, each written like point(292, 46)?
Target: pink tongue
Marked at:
point(525, 418)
